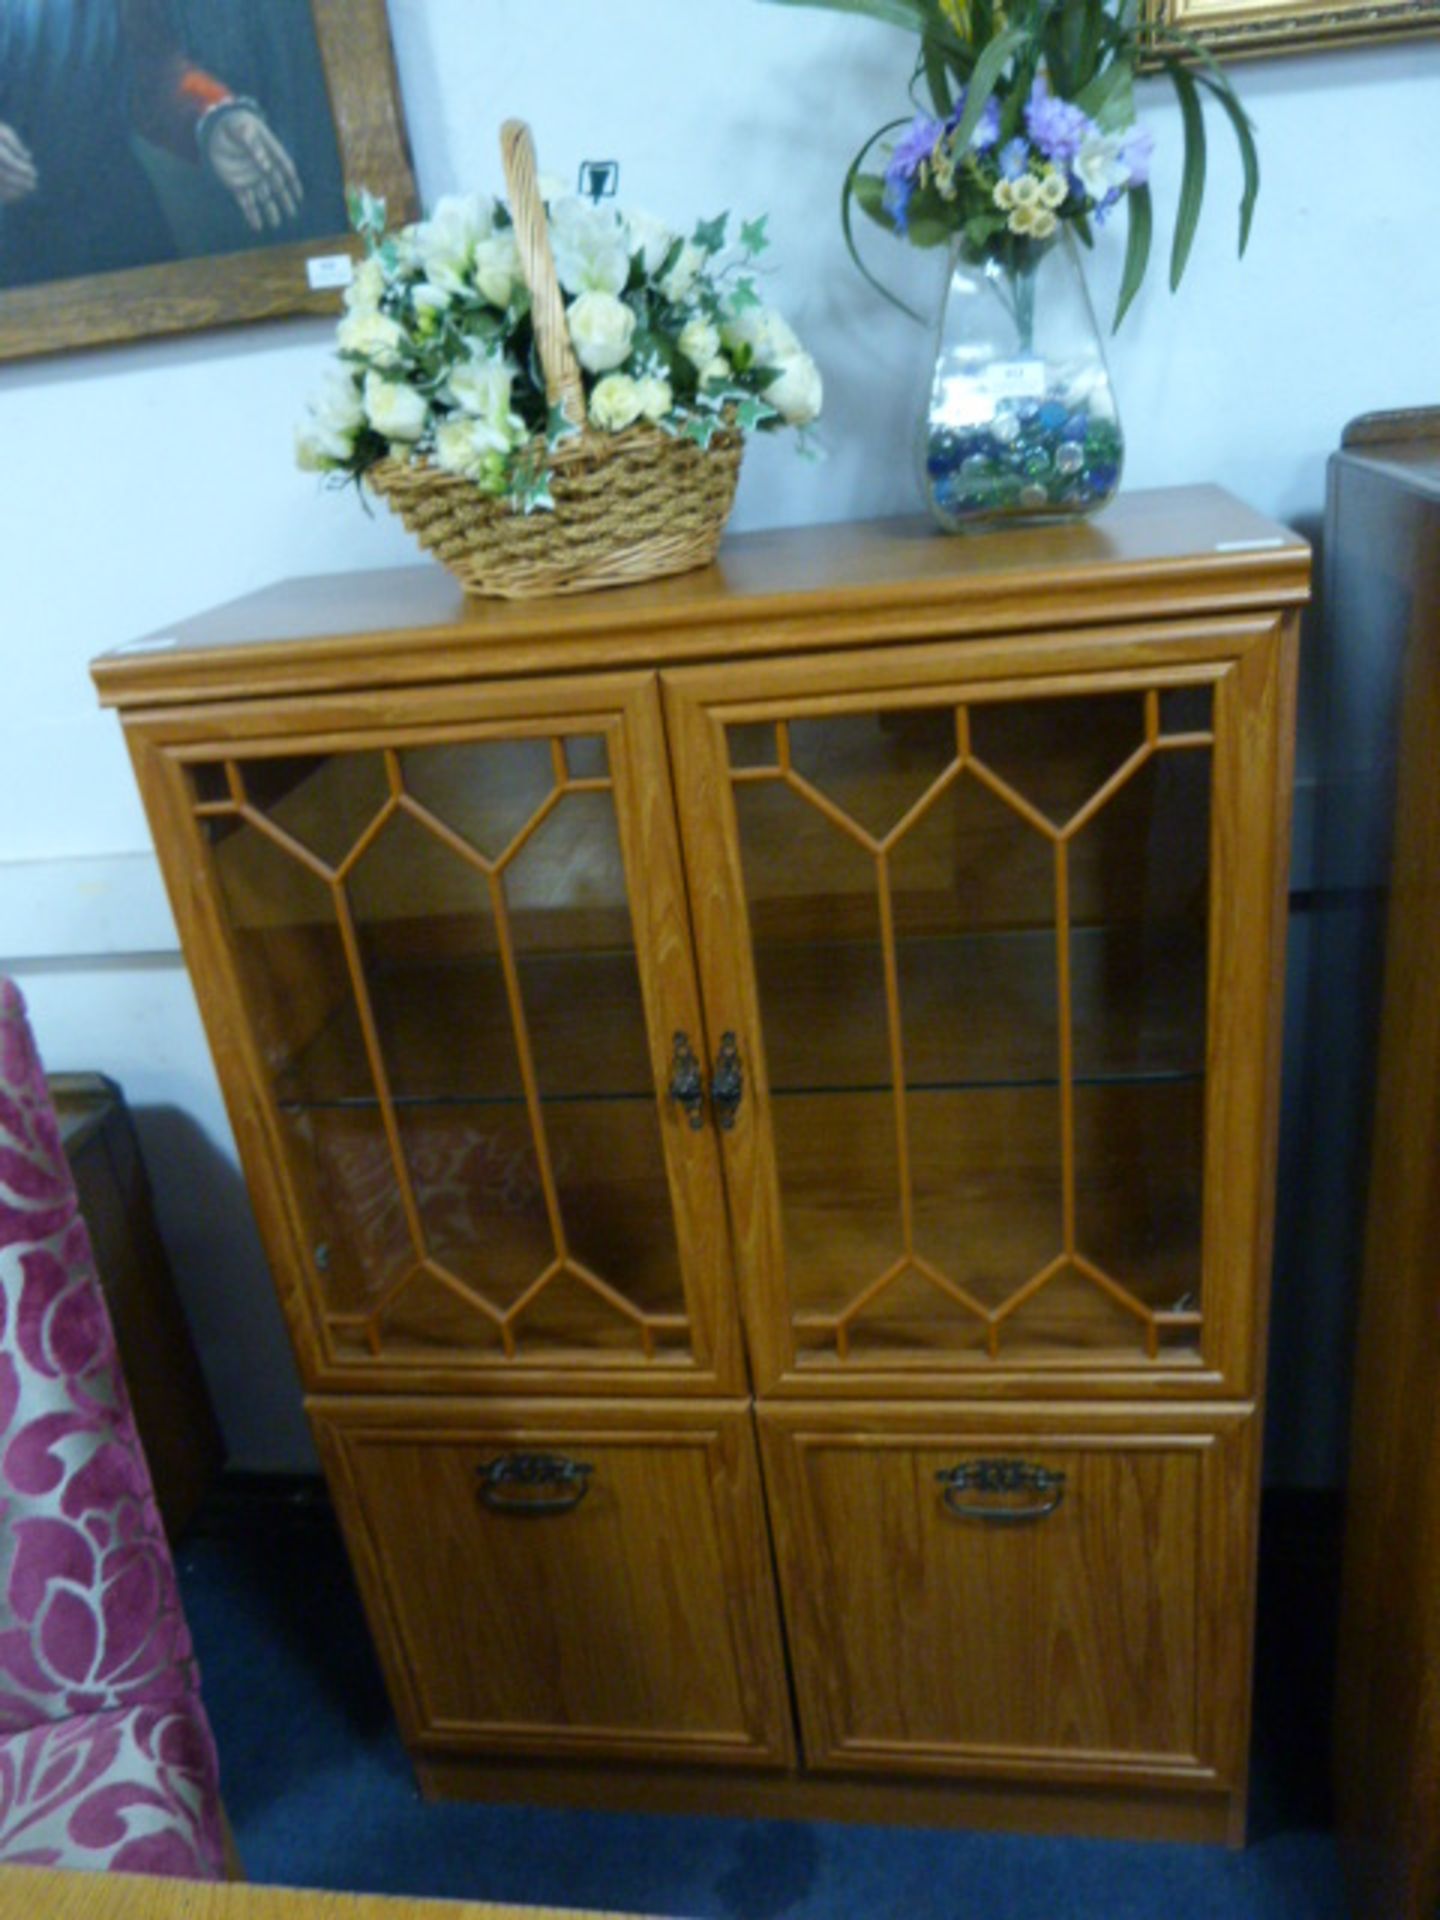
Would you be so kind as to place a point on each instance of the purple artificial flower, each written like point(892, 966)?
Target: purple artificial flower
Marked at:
point(1014, 158)
point(911, 150)
point(987, 128)
point(1056, 126)
point(1137, 149)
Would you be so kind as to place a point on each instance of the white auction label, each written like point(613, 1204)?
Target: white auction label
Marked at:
point(1016, 379)
point(329, 270)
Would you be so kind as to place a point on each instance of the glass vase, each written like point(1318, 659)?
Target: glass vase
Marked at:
point(1021, 424)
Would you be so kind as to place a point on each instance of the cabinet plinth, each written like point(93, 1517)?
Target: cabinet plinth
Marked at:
point(784, 1057)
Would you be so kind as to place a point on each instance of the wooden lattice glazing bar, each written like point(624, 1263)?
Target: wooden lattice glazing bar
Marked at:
point(238, 807)
point(838, 1326)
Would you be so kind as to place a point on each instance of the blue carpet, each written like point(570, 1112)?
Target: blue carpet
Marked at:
point(320, 1794)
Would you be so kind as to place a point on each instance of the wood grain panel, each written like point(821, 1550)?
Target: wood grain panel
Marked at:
point(642, 1623)
point(1084, 1644)
point(1161, 555)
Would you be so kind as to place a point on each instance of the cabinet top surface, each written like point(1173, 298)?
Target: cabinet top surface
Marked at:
point(1191, 550)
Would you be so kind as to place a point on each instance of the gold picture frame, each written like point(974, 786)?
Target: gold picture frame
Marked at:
point(215, 289)
point(1236, 28)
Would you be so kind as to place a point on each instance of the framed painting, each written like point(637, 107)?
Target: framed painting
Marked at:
point(167, 165)
point(1236, 27)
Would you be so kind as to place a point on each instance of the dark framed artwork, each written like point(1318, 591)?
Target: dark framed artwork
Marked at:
point(168, 165)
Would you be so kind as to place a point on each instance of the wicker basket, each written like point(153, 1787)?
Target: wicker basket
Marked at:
point(628, 506)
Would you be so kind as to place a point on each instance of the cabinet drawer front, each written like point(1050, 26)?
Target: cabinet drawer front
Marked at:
point(446, 959)
point(995, 933)
point(587, 1581)
point(1026, 1601)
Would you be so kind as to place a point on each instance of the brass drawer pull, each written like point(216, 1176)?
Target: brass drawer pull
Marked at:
point(727, 1088)
point(1001, 1476)
point(687, 1083)
point(517, 1484)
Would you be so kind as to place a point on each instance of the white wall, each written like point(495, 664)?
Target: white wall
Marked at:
point(142, 483)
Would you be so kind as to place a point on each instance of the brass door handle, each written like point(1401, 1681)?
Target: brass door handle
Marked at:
point(517, 1484)
point(1001, 1476)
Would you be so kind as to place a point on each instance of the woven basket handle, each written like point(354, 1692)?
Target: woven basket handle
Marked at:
point(563, 384)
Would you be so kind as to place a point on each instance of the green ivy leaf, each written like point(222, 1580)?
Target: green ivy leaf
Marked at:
point(753, 236)
point(743, 295)
point(752, 412)
point(710, 234)
point(701, 429)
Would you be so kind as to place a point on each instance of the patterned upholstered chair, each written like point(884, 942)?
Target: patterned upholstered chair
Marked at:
point(106, 1757)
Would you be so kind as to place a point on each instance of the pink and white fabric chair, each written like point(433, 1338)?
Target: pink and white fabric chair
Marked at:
point(106, 1757)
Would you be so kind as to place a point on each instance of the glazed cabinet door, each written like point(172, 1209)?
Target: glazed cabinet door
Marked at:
point(990, 936)
point(442, 948)
point(565, 1579)
point(1048, 1596)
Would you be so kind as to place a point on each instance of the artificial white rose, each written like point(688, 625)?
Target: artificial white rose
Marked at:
point(656, 397)
point(364, 291)
point(446, 242)
point(769, 336)
point(311, 455)
point(481, 388)
point(650, 238)
point(394, 410)
point(601, 330)
point(615, 404)
point(699, 341)
point(715, 370)
point(429, 303)
point(455, 448)
point(337, 408)
point(799, 392)
point(497, 267)
point(590, 248)
point(375, 336)
point(678, 283)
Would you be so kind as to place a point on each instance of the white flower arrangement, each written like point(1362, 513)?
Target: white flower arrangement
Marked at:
point(437, 360)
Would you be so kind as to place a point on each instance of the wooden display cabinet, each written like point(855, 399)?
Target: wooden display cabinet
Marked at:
point(819, 1014)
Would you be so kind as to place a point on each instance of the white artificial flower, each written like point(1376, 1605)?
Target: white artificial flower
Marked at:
point(799, 392)
point(375, 336)
point(601, 330)
point(616, 403)
point(717, 369)
point(1027, 191)
point(429, 302)
point(364, 291)
point(589, 245)
point(679, 282)
point(481, 388)
point(1054, 190)
point(394, 410)
point(497, 267)
point(461, 446)
point(770, 338)
point(650, 238)
point(657, 397)
point(336, 415)
point(699, 341)
point(1044, 223)
point(446, 242)
point(1099, 165)
point(1005, 195)
point(310, 453)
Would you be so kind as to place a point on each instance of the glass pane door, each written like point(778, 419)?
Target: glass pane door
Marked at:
point(978, 934)
point(438, 954)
